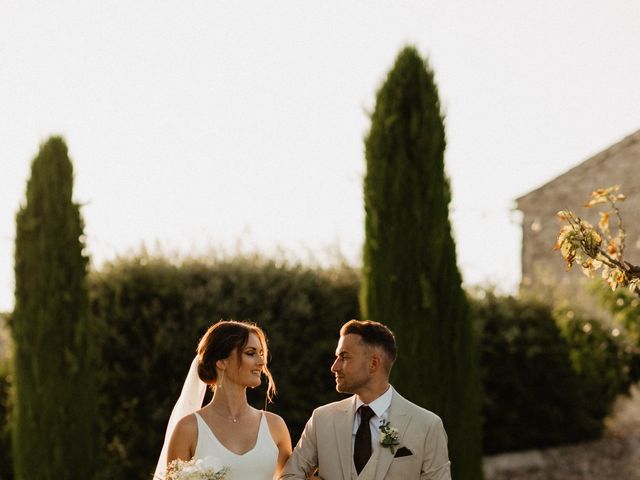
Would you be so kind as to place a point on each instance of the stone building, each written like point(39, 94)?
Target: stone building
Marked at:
point(543, 267)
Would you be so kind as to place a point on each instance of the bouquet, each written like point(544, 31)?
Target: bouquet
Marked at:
point(201, 469)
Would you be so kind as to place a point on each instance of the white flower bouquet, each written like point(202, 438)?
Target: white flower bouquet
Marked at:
point(201, 469)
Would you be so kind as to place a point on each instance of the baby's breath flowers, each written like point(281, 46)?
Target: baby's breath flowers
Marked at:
point(389, 436)
point(201, 469)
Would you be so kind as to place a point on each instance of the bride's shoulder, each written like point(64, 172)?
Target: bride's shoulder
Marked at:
point(277, 428)
point(277, 425)
point(273, 419)
point(183, 438)
point(187, 424)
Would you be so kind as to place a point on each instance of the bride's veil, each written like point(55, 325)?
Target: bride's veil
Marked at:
point(189, 401)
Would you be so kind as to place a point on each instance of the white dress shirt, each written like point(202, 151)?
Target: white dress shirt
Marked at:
point(380, 407)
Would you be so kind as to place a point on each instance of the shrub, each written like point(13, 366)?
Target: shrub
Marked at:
point(150, 314)
point(533, 397)
point(604, 362)
point(625, 308)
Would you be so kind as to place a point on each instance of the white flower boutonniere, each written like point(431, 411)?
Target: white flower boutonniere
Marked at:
point(389, 436)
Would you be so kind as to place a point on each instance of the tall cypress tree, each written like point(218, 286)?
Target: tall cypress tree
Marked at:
point(410, 280)
point(54, 420)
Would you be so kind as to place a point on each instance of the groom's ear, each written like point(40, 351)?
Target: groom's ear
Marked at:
point(375, 362)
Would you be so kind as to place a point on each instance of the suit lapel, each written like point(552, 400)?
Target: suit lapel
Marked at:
point(398, 418)
point(343, 425)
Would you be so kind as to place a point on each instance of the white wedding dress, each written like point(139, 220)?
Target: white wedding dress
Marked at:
point(259, 463)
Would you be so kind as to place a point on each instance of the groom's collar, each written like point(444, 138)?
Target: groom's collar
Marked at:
point(380, 404)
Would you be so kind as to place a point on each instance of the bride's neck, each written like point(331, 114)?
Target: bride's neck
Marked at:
point(230, 401)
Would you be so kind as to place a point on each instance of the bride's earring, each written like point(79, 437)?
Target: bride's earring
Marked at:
point(219, 383)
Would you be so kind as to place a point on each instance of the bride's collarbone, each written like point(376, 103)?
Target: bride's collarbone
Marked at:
point(223, 416)
point(238, 437)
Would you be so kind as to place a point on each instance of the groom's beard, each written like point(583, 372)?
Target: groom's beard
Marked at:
point(351, 385)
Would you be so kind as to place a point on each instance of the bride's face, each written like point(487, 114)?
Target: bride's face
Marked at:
point(246, 369)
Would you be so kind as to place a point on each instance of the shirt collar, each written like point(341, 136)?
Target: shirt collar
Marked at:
point(380, 404)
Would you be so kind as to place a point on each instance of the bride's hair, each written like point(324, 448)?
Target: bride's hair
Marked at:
point(221, 340)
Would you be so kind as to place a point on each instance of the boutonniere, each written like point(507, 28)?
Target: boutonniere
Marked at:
point(389, 436)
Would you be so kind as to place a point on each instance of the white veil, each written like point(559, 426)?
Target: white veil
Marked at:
point(189, 401)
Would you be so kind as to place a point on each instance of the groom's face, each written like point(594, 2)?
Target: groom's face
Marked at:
point(351, 367)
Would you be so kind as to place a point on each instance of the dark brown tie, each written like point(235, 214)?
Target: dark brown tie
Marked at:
point(362, 447)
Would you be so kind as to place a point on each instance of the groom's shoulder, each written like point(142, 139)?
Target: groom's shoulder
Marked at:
point(330, 408)
point(416, 411)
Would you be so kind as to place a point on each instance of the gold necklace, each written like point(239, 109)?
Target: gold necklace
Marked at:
point(231, 417)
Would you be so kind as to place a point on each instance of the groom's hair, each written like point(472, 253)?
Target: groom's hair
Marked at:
point(373, 334)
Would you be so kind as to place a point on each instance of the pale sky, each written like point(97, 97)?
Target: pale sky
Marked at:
point(199, 125)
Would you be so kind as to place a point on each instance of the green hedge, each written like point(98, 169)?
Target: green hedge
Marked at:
point(605, 362)
point(150, 314)
point(544, 385)
point(625, 308)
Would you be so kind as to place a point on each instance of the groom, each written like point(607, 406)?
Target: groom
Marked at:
point(376, 434)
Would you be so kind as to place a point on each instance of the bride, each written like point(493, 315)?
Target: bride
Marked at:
point(254, 444)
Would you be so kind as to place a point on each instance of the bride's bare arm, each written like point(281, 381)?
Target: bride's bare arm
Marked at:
point(184, 438)
point(282, 439)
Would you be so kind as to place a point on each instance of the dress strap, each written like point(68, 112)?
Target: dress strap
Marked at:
point(264, 434)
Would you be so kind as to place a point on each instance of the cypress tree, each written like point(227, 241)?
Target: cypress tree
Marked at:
point(410, 278)
point(54, 419)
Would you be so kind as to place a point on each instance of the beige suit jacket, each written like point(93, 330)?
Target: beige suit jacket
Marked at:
point(326, 444)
